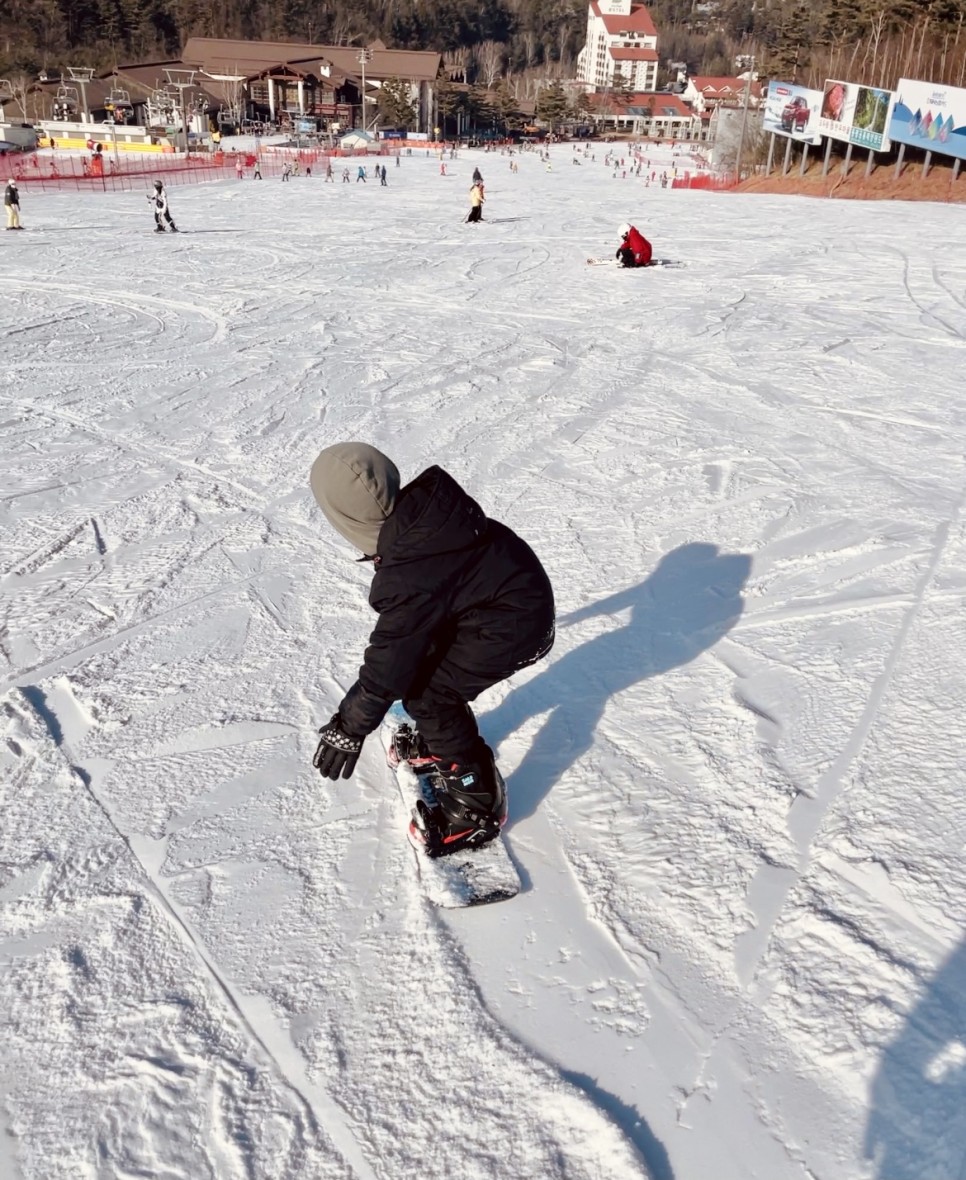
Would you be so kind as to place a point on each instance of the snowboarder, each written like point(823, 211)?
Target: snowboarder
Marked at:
point(463, 603)
point(477, 176)
point(361, 174)
point(286, 170)
point(635, 249)
point(476, 203)
point(382, 177)
point(11, 201)
point(161, 212)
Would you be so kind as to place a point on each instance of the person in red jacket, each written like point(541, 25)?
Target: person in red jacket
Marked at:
point(635, 249)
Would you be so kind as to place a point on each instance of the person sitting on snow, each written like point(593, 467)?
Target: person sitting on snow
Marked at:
point(635, 249)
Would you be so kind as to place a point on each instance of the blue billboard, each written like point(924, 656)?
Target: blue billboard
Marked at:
point(930, 117)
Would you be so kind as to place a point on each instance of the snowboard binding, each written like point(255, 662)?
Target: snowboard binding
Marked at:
point(407, 746)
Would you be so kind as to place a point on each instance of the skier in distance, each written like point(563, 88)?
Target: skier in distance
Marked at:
point(463, 603)
point(161, 212)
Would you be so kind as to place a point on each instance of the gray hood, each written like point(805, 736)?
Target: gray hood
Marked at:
point(356, 487)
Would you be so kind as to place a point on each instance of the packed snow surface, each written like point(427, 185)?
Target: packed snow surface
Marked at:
point(736, 784)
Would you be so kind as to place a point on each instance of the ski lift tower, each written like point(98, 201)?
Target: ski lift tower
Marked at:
point(182, 80)
point(81, 77)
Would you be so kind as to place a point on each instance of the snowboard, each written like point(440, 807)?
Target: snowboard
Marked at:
point(616, 262)
point(471, 877)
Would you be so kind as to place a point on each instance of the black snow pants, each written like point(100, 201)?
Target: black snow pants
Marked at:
point(438, 701)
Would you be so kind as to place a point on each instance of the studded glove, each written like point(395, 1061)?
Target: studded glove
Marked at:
point(338, 751)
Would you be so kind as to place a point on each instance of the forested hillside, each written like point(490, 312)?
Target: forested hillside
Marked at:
point(864, 40)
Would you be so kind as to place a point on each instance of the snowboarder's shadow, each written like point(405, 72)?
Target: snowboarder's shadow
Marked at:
point(687, 604)
point(917, 1121)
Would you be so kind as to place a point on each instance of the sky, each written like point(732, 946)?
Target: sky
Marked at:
point(735, 784)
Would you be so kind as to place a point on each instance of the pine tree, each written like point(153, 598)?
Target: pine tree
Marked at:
point(396, 106)
point(552, 104)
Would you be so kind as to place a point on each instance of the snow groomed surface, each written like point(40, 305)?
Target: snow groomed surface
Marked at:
point(736, 785)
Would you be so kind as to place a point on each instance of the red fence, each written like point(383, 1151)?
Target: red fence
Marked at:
point(705, 180)
point(55, 171)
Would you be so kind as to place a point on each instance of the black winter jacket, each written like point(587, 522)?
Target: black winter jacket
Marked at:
point(446, 576)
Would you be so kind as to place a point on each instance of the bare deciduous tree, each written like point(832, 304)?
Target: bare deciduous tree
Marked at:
point(455, 62)
point(15, 89)
point(489, 58)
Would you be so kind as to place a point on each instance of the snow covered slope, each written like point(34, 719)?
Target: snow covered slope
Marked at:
point(736, 785)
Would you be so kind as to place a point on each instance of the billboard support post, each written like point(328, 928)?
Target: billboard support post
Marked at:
point(771, 154)
point(899, 160)
point(846, 163)
point(869, 164)
point(788, 156)
point(926, 164)
point(956, 164)
point(803, 167)
point(828, 155)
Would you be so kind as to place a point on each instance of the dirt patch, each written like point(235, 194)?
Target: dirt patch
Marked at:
point(882, 185)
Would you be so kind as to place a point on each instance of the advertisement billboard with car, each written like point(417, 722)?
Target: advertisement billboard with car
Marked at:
point(793, 111)
point(930, 117)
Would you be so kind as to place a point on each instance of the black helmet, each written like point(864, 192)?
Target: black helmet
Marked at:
point(158, 184)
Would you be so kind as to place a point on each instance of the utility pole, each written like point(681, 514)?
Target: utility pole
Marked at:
point(744, 114)
point(363, 56)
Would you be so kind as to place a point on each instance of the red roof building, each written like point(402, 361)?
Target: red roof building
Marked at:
point(704, 93)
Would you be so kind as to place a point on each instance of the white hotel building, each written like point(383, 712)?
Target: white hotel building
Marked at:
point(620, 37)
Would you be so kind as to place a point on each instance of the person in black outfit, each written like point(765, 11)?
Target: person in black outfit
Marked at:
point(463, 603)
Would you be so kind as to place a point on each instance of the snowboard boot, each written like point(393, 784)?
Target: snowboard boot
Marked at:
point(159, 229)
point(471, 807)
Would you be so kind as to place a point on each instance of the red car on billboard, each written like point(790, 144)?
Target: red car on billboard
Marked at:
point(795, 114)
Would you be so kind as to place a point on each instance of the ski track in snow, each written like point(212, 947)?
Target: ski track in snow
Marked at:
point(735, 795)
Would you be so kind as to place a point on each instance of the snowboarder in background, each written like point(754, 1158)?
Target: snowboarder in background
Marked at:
point(635, 249)
point(476, 203)
point(463, 603)
point(477, 176)
point(162, 213)
point(11, 202)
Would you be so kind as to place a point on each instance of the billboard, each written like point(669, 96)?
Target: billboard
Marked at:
point(869, 119)
point(855, 114)
point(838, 107)
point(793, 111)
point(930, 117)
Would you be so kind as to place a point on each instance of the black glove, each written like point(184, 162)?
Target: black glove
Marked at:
point(338, 751)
